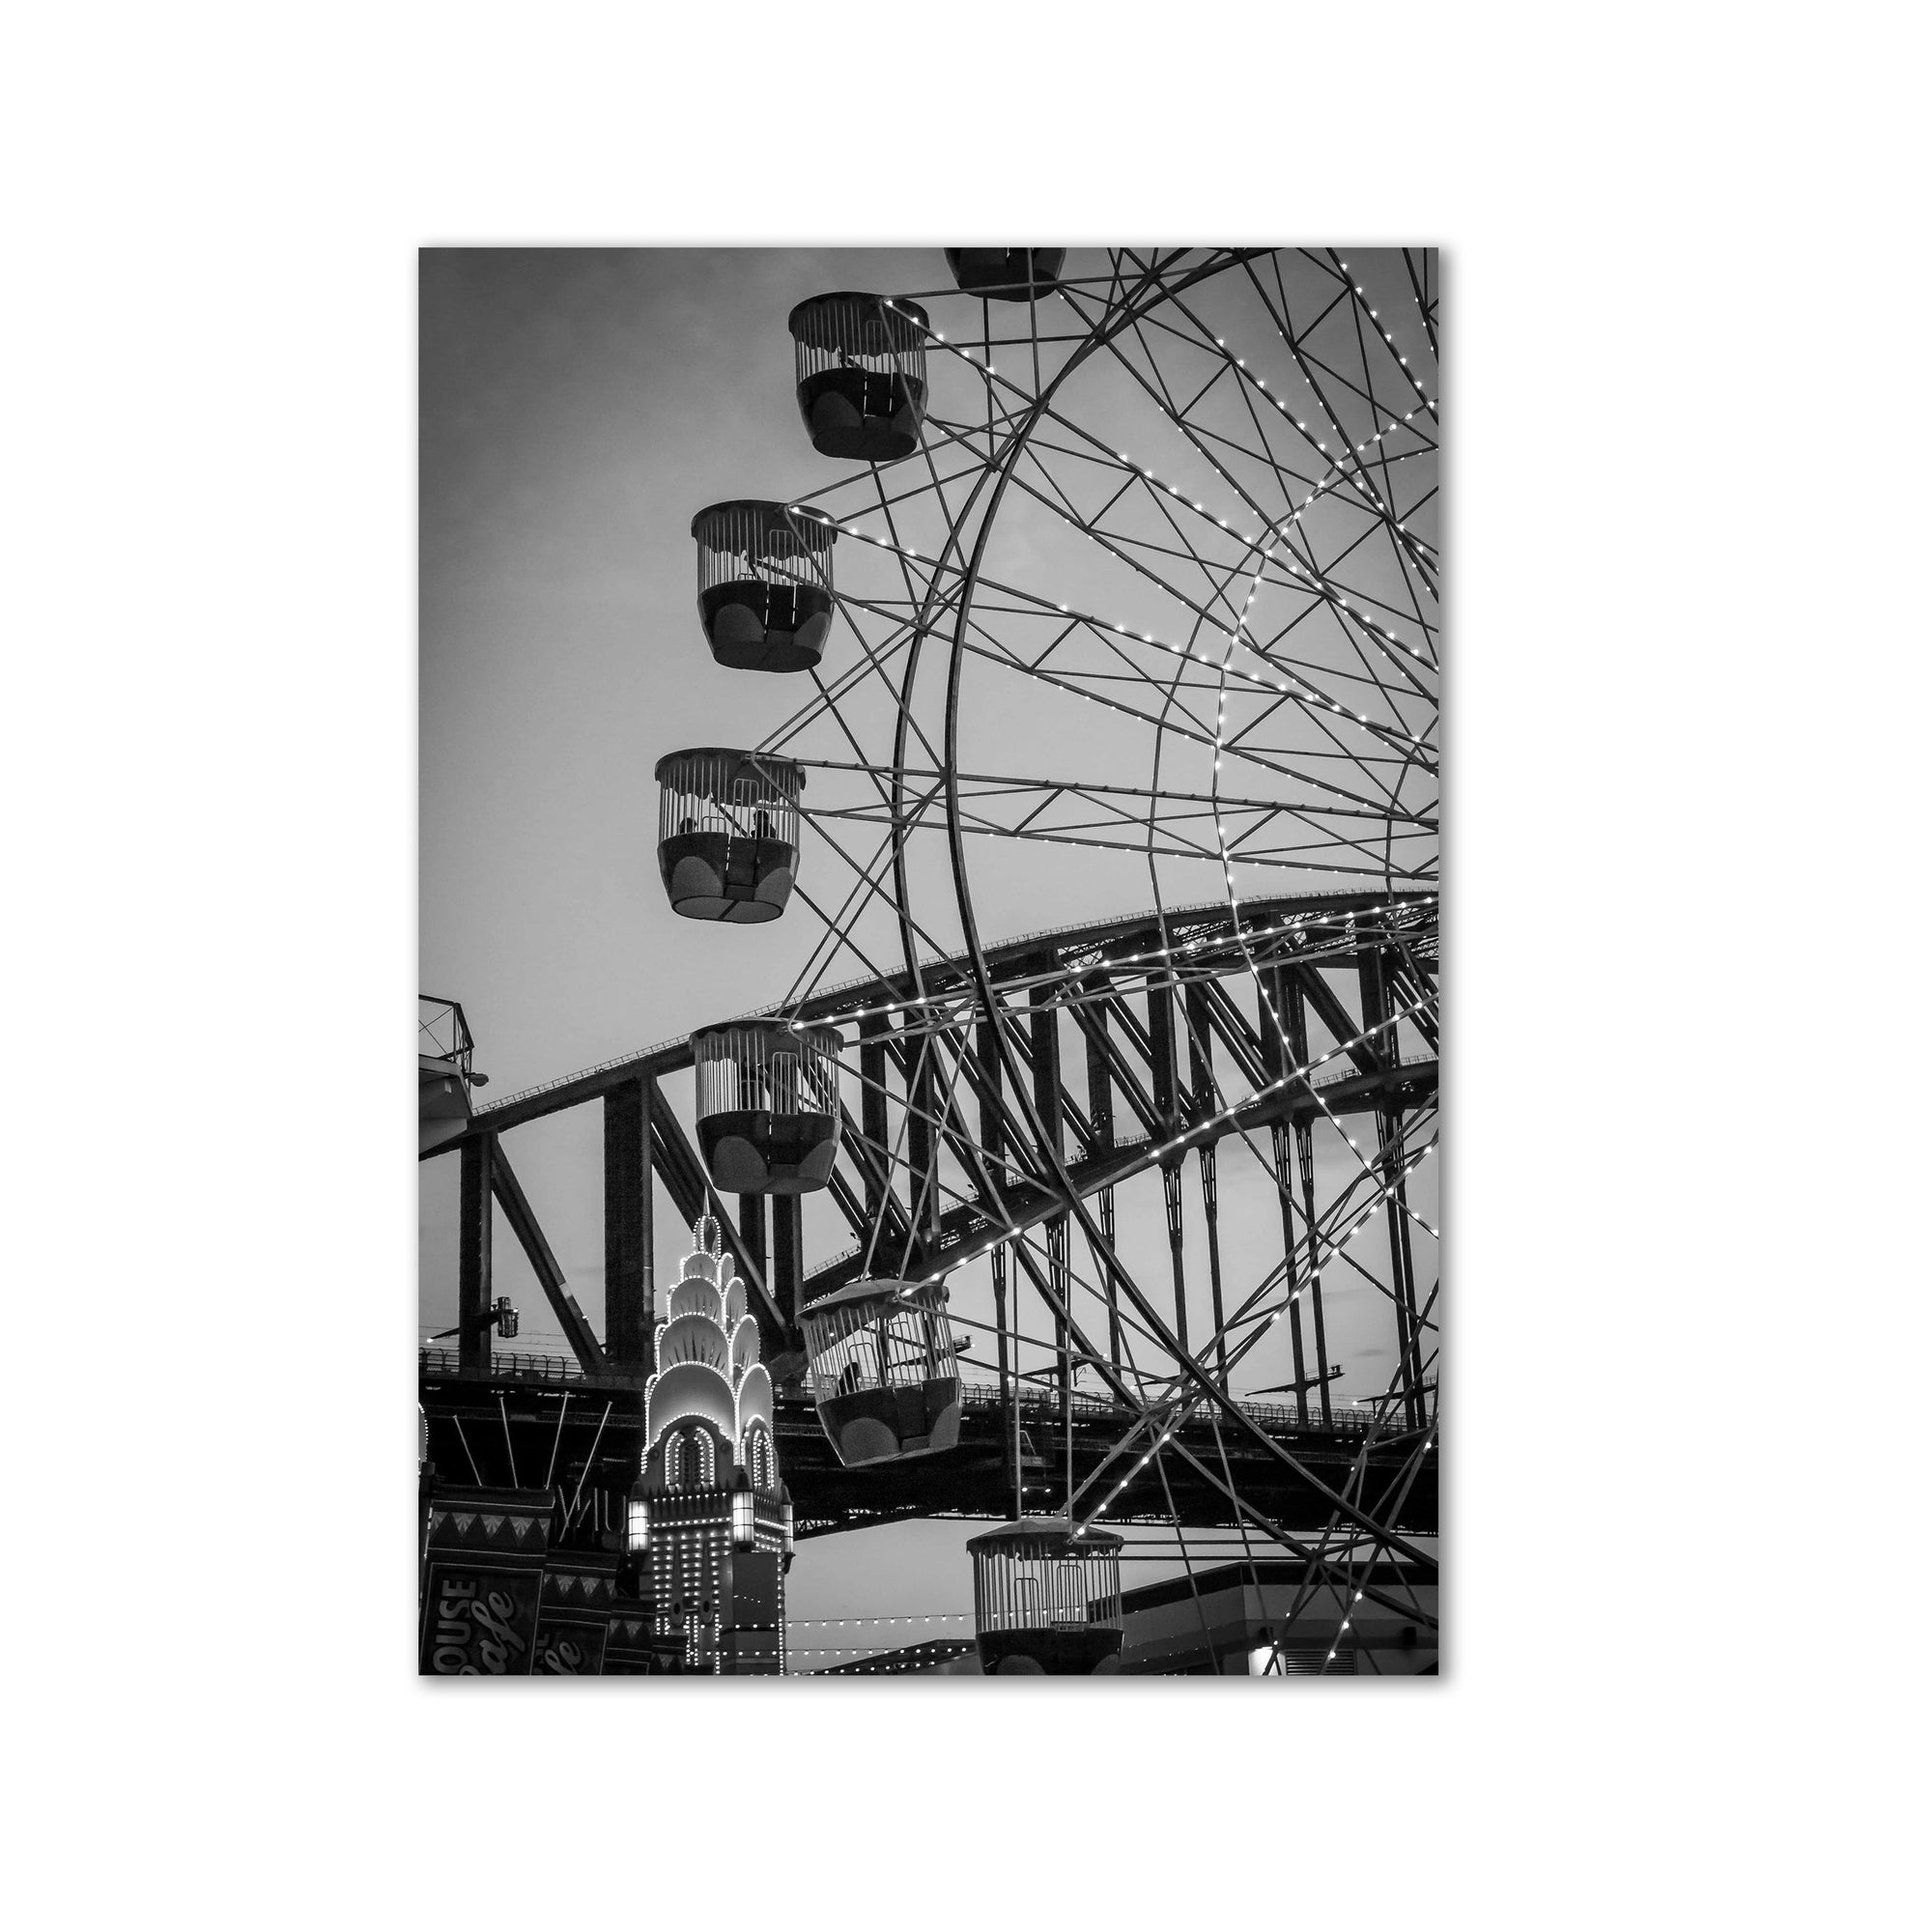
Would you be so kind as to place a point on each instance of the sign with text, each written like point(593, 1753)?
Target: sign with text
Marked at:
point(482, 1576)
point(478, 1620)
point(580, 1589)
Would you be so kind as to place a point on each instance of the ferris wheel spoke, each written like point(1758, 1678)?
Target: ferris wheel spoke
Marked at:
point(1270, 522)
point(1269, 651)
point(1272, 654)
point(1383, 422)
point(1398, 422)
point(1323, 586)
point(987, 786)
point(1083, 1355)
point(1219, 578)
point(1332, 1241)
point(1369, 672)
point(1362, 306)
point(1046, 1344)
point(1384, 643)
point(1313, 693)
point(1321, 1563)
point(1297, 346)
point(904, 636)
point(868, 875)
point(1424, 307)
point(1160, 495)
point(1367, 1529)
point(1366, 1041)
point(807, 982)
point(1202, 433)
point(1305, 1596)
point(838, 927)
point(916, 598)
point(1088, 833)
point(1090, 527)
point(830, 697)
point(920, 1053)
point(1405, 734)
point(1339, 1249)
point(1317, 703)
point(1394, 420)
point(1380, 528)
point(1177, 415)
point(1426, 628)
point(1166, 1416)
point(1193, 433)
point(1337, 298)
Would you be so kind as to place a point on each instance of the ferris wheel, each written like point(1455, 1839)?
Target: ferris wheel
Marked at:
point(1120, 599)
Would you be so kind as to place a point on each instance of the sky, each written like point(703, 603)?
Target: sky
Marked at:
point(578, 407)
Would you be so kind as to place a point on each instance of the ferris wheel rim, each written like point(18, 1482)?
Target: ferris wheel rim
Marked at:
point(1000, 470)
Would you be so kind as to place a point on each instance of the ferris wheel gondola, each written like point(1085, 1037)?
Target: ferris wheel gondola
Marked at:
point(884, 1370)
point(764, 584)
point(1007, 274)
point(727, 833)
point(767, 1105)
point(861, 375)
point(1046, 1599)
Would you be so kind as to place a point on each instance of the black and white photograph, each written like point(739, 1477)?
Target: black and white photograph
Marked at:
point(975, 712)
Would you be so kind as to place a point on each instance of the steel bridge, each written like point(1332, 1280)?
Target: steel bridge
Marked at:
point(1145, 1006)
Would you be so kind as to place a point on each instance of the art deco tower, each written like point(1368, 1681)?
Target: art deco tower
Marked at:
point(709, 1520)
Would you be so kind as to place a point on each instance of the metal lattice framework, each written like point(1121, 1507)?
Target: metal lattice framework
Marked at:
point(1148, 620)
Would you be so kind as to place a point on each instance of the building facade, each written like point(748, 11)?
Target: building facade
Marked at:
point(1265, 1619)
point(709, 1527)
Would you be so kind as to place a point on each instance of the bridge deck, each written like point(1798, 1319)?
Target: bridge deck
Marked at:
point(538, 1421)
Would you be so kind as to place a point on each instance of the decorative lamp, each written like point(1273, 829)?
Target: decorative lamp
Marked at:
point(743, 1528)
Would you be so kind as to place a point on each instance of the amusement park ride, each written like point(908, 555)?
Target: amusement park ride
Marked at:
point(1137, 581)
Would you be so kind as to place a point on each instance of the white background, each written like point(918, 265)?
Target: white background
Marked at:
point(1685, 292)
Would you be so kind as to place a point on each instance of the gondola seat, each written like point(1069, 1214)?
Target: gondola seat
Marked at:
point(756, 1151)
point(863, 416)
point(756, 626)
point(714, 876)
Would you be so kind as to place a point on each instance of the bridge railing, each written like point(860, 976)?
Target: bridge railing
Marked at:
point(554, 1369)
point(1348, 1420)
point(1039, 1404)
